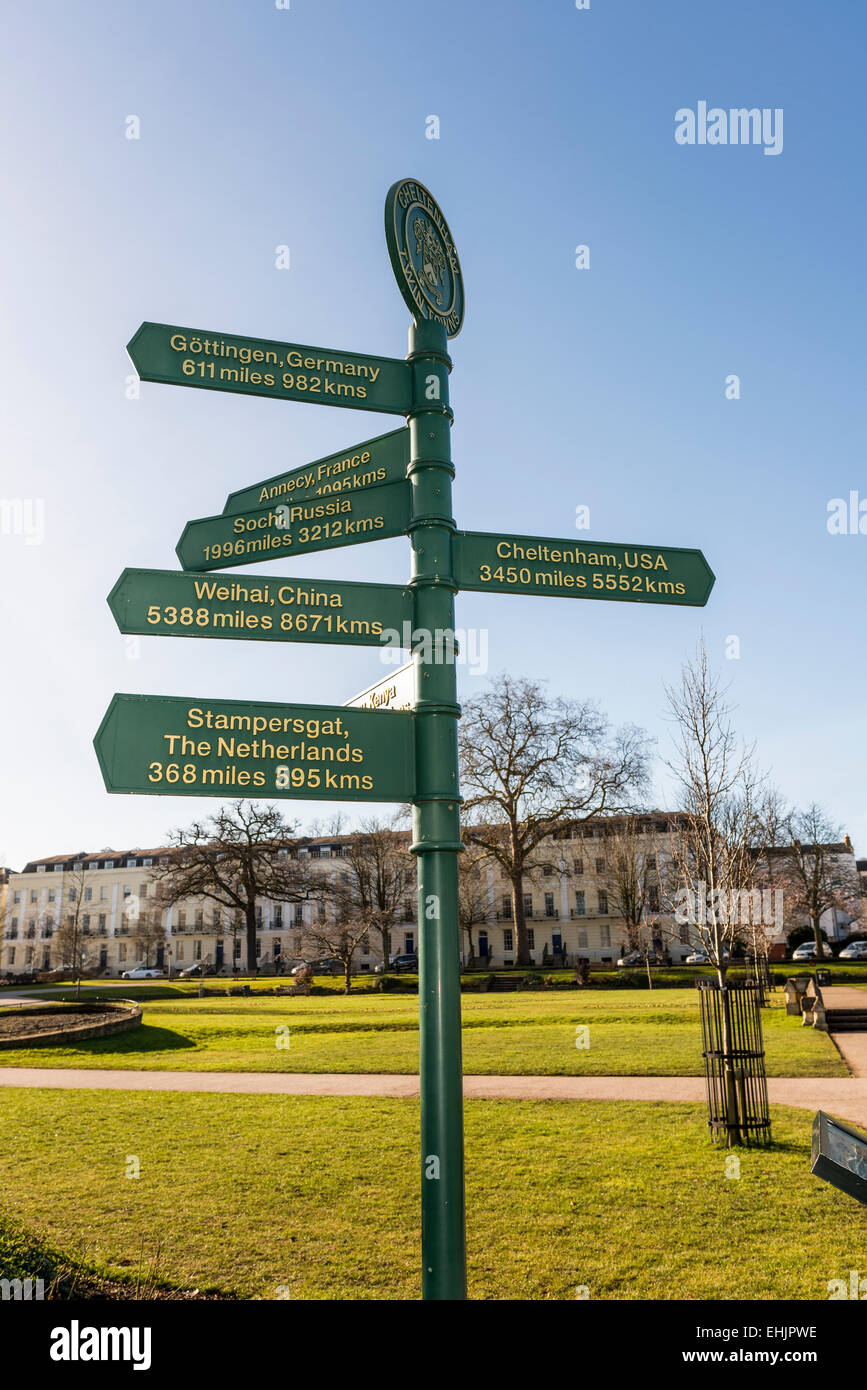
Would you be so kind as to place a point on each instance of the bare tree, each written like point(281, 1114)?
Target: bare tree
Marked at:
point(341, 935)
point(376, 875)
point(713, 847)
point(632, 882)
point(473, 898)
point(529, 762)
point(816, 873)
point(232, 858)
point(72, 943)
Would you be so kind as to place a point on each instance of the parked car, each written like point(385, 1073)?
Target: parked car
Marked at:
point(808, 951)
point(143, 972)
point(403, 963)
point(197, 968)
point(330, 965)
point(700, 957)
point(856, 951)
point(632, 958)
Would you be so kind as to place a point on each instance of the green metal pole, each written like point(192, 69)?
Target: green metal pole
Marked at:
point(436, 819)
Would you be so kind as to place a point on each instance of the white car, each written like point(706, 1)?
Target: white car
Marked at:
point(808, 951)
point(142, 972)
point(857, 951)
point(701, 958)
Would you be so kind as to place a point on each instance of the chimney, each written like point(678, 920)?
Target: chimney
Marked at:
point(848, 843)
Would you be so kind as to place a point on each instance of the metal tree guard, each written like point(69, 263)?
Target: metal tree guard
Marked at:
point(737, 1091)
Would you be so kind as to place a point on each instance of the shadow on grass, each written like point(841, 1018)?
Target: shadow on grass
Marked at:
point(139, 1041)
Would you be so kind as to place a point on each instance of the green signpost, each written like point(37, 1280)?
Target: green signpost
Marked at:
point(369, 464)
point(295, 528)
point(265, 608)
point(581, 569)
point(169, 746)
point(394, 484)
point(261, 367)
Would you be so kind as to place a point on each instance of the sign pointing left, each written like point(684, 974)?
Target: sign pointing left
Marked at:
point(294, 528)
point(168, 746)
point(263, 367)
point(260, 607)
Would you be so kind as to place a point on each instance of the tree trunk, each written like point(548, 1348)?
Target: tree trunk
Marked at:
point(385, 933)
point(252, 968)
point(817, 935)
point(347, 977)
point(522, 954)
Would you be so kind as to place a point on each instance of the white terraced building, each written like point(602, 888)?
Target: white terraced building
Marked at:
point(567, 906)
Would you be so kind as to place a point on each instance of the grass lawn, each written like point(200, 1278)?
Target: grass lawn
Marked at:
point(320, 1196)
point(631, 1033)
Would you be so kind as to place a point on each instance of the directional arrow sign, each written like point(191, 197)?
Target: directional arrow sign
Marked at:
point(581, 569)
point(262, 367)
point(376, 461)
point(161, 746)
point(294, 528)
point(172, 604)
point(394, 692)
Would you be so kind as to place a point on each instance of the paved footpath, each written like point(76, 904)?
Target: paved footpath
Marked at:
point(846, 1097)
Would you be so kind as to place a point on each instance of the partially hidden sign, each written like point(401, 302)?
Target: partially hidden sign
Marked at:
point(365, 465)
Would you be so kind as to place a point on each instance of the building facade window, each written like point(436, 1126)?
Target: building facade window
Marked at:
point(600, 866)
point(580, 905)
point(605, 936)
point(508, 939)
point(528, 904)
point(603, 902)
point(582, 938)
point(531, 938)
point(549, 904)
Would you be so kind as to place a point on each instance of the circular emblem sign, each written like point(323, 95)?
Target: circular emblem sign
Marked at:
point(423, 255)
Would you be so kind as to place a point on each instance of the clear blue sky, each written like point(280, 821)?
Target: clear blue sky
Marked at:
point(262, 127)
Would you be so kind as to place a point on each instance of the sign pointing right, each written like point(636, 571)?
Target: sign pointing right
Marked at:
point(581, 569)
